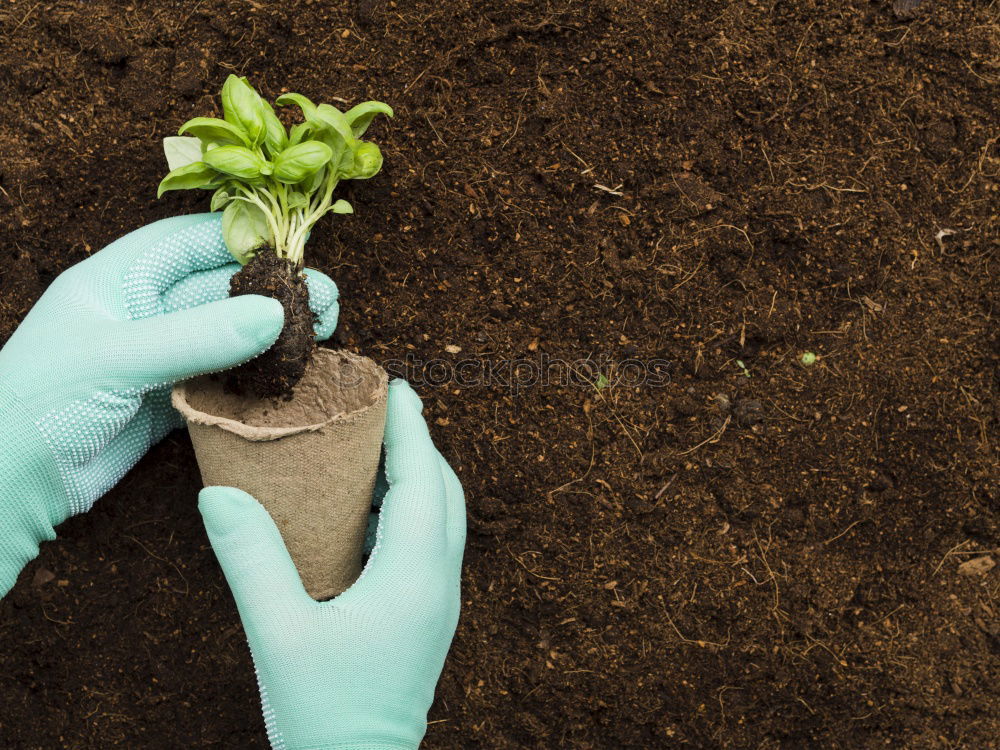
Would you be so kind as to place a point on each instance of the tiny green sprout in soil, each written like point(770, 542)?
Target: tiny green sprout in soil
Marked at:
point(808, 359)
point(273, 184)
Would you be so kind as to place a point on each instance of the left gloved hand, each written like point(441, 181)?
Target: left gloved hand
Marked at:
point(85, 380)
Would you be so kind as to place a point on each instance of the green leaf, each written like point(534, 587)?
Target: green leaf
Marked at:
point(367, 161)
point(220, 198)
point(335, 119)
point(275, 136)
point(324, 123)
point(242, 106)
point(213, 130)
point(361, 116)
point(300, 132)
point(297, 162)
point(297, 199)
point(193, 176)
point(342, 207)
point(236, 161)
point(338, 148)
point(304, 103)
point(312, 183)
point(245, 230)
point(345, 165)
point(181, 151)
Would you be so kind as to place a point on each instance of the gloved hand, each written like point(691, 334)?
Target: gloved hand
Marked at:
point(357, 671)
point(85, 379)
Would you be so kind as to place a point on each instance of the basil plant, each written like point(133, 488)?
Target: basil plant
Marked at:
point(272, 184)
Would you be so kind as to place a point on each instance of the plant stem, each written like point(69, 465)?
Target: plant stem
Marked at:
point(281, 235)
point(251, 197)
point(296, 245)
point(286, 219)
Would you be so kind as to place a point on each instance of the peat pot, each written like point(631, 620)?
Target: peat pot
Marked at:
point(310, 461)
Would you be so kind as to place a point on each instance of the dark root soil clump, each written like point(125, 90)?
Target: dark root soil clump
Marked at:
point(275, 372)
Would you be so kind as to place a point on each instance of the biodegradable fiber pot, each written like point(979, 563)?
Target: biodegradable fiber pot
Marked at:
point(310, 461)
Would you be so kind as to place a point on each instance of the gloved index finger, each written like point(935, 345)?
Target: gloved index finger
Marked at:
point(157, 256)
point(200, 287)
point(413, 519)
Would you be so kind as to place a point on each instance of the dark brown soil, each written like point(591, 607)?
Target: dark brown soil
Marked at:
point(274, 373)
point(755, 556)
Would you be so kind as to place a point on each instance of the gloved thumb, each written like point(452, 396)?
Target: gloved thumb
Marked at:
point(206, 338)
point(251, 552)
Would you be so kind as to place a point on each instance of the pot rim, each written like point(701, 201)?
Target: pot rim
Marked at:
point(179, 399)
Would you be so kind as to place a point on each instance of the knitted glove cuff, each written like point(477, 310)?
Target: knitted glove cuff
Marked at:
point(370, 745)
point(30, 488)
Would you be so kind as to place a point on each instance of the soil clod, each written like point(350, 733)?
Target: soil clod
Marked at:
point(275, 372)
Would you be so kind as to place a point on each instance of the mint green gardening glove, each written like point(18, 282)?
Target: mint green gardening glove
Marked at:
point(85, 379)
point(357, 671)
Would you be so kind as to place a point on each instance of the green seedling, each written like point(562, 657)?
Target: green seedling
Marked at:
point(273, 184)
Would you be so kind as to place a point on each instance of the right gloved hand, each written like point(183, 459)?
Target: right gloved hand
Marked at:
point(357, 671)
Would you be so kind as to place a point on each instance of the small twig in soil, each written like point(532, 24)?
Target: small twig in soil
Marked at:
point(414, 81)
point(26, 15)
point(981, 78)
point(187, 588)
point(435, 131)
point(802, 701)
point(738, 229)
point(885, 617)
point(790, 416)
point(803, 39)
point(690, 276)
point(753, 577)
point(517, 125)
point(587, 167)
point(774, 580)
point(616, 190)
point(664, 488)
point(698, 642)
point(52, 619)
point(713, 439)
point(948, 554)
point(593, 452)
point(835, 538)
point(537, 575)
point(187, 18)
point(834, 654)
point(614, 413)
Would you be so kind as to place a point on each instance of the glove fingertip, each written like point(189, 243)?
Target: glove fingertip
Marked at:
point(256, 320)
point(222, 508)
point(323, 296)
point(326, 322)
point(401, 394)
point(322, 289)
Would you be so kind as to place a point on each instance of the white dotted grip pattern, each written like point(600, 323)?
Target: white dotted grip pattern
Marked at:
point(96, 440)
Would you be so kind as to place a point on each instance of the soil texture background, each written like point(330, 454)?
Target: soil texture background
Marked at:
point(732, 551)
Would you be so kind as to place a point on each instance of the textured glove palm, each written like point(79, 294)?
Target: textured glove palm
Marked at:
point(358, 671)
point(85, 379)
